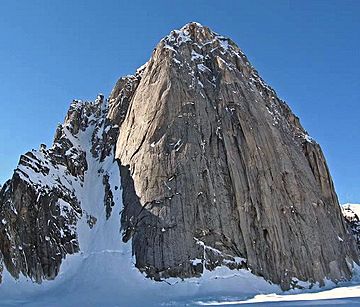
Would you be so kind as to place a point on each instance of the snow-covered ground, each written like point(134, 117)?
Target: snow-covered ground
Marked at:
point(346, 294)
point(103, 274)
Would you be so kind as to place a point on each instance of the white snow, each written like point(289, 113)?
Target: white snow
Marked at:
point(176, 37)
point(176, 61)
point(355, 208)
point(196, 261)
point(224, 43)
point(107, 277)
point(346, 296)
point(308, 138)
point(166, 46)
point(196, 56)
point(203, 68)
point(142, 68)
point(65, 208)
point(178, 145)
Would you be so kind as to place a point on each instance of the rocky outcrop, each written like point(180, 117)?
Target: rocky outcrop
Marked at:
point(219, 163)
point(41, 205)
point(215, 169)
point(352, 218)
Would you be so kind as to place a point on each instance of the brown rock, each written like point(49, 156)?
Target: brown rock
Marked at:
point(213, 159)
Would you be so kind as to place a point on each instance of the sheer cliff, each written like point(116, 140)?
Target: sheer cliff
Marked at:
point(212, 167)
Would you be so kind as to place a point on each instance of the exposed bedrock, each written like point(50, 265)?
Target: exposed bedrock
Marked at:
point(218, 164)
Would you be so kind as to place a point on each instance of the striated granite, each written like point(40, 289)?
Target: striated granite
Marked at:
point(215, 170)
point(221, 168)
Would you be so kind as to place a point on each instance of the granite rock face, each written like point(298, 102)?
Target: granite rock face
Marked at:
point(215, 170)
point(221, 169)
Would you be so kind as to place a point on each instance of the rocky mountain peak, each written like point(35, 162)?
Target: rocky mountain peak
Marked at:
point(205, 139)
point(192, 32)
point(208, 58)
point(215, 171)
point(201, 42)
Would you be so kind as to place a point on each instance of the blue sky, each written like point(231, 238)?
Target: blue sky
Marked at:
point(54, 51)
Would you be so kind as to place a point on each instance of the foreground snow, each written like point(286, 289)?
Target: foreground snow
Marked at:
point(108, 278)
point(344, 295)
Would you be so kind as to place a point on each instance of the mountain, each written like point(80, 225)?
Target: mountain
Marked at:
point(351, 214)
point(196, 163)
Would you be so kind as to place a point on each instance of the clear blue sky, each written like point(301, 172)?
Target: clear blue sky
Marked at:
point(54, 51)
